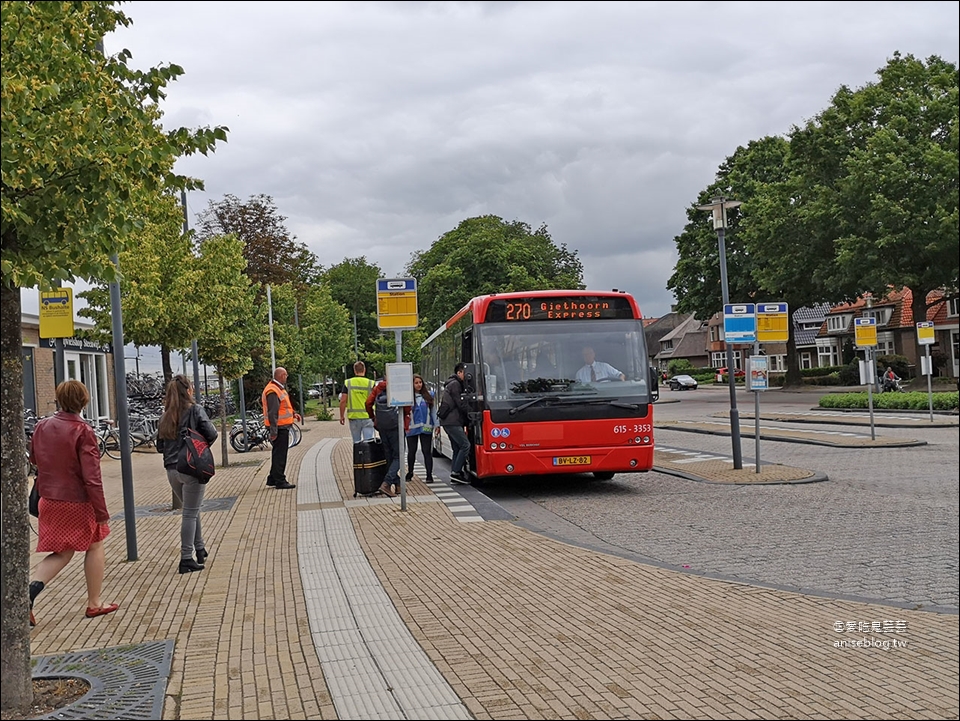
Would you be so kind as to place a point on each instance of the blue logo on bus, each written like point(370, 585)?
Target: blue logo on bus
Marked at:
point(505, 432)
point(495, 432)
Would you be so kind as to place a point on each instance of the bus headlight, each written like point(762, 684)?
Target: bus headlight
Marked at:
point(502, 446)
point(493, 446)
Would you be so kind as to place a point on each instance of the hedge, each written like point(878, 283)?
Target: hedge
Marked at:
point(912, 400)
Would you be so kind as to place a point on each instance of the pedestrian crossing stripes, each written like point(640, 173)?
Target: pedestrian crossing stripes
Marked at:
point(459, 506)
point(693, 456)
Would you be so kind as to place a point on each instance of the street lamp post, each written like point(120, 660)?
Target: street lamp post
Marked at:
point(718, 207)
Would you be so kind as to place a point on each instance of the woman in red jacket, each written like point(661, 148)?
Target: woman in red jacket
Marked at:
point(73, 512)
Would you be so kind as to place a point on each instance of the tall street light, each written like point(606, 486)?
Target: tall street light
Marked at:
point(719, 208)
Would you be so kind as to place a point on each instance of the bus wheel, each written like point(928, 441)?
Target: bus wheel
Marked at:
point(603, 475)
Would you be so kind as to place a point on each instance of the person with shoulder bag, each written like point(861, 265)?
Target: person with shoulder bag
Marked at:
point(181, 412)
point(453, 419)
point(73, 513)
point(423, 419)
point(386, 419)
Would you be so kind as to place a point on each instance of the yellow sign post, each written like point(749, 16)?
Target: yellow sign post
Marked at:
point(397, 304)
point(773, 323)
point(865, 332)
point(56, 313)
point(925, 334)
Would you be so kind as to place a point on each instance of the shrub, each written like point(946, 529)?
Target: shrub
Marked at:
point(914, 400)
point(679, 365)
point(900, 365)
point(324, 414)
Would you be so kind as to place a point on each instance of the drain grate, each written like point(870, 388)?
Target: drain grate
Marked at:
point(208, 505)
point(126, 682)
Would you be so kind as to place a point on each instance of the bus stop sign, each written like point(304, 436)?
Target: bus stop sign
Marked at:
point(865, 332)
point(773, 323)
point(740, 323)
point(397, 303)
point(925, 335)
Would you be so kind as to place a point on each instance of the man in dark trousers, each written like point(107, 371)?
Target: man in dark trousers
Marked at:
point(386, 420)
point(278, 416)
point(453, 419)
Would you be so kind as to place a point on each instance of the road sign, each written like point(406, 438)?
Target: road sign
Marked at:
point(865, 332)
point(56, 313)
point(740, 323)
point(397, 303)
point(925, 333)
point(773, 323)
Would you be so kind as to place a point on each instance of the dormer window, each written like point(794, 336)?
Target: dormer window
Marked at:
point(881, 315)
point(838, 323)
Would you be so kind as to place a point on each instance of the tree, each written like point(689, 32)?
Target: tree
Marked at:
point(274, 256)
point(881, 164)
point(353, 284)
point(84, 158)
point(326, 333)
point(233, 324)
point(158, 279)
point(487, 255)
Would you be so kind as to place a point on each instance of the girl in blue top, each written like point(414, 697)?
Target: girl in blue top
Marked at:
point(423, 420)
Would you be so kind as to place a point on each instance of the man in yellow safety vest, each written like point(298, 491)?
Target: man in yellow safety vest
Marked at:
point(353, 401)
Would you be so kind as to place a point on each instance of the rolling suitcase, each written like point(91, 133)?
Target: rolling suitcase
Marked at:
point(369, 467)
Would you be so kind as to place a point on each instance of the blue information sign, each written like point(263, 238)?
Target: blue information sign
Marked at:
point(740, 323)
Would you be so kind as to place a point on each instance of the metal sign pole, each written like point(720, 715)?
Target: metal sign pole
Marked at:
point(401, 442)
point(871, 374)
point(929, 370)
point(756, 414)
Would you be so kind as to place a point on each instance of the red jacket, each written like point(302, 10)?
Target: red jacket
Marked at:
point(66, 453)
point(381, 387)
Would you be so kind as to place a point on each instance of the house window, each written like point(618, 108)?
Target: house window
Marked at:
point(953, 306)
point(837, 323)
point(881, 315)
point(777, 362)
point(715, 334)
point(828, 352)
point(666, 345)
point(805, 360)
point(885, 344)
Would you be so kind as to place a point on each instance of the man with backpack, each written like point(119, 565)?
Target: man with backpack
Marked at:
point(453, 419)
point(386, 420)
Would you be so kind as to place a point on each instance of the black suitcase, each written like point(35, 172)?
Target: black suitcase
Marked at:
point(369, 467)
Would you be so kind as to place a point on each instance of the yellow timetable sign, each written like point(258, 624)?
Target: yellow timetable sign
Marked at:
point(397, 303)
point(56, 313)
point(773, 323)
point(865, 332)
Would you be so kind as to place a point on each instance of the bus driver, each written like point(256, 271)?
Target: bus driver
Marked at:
point(594, 370)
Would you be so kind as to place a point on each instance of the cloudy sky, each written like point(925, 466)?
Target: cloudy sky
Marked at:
point(378, 126)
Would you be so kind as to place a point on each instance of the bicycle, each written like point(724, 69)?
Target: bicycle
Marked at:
point(143, 432)
point(257, 435)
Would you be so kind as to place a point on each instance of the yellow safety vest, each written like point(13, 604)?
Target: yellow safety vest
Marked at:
point(358, 388)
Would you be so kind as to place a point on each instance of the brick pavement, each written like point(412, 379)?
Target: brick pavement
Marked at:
point(520, 626)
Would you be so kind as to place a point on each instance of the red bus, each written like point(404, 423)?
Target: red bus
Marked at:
point(557, 382)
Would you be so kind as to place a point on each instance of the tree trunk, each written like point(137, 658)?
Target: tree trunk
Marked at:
point(15, 670)
point(794, 377)
point(167, 368)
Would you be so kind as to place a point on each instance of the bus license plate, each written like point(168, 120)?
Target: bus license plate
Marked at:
point(571, 461)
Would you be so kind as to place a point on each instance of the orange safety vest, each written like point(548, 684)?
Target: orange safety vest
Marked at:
point(285, 417)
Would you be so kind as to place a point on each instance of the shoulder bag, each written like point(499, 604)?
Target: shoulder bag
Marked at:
point(196, 458)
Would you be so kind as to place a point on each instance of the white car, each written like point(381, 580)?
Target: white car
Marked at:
point(683, 383)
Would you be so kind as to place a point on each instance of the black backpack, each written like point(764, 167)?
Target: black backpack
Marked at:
point(387, 417)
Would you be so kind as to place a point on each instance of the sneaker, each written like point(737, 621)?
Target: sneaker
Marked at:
point(410, 476)
point(459, 478)
point(284, 484)
point(428, 479)
point(387, 490)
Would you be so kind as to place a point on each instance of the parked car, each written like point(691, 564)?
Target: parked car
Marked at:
point(721, 372)
point(683, 383)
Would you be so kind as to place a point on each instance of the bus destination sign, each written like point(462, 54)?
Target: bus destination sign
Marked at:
point(558, 308)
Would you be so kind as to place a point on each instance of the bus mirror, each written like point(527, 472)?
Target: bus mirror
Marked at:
point(654, 384)
point(470, 378)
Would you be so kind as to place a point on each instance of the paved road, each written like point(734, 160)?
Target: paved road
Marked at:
point(883, 528)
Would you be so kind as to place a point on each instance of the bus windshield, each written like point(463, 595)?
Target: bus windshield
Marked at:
point(563, 359)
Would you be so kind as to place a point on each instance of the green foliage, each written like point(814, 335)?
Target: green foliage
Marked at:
point(487, 255)
point(234, 324)
point(326, 332)
point(820, 371)
point(84, 154)
point(274, 256)
point(900, 365)
point(353, 284)
point(680, 365)
point(913, 400)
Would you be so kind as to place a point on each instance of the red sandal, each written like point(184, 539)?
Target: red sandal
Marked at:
point(102, 611)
